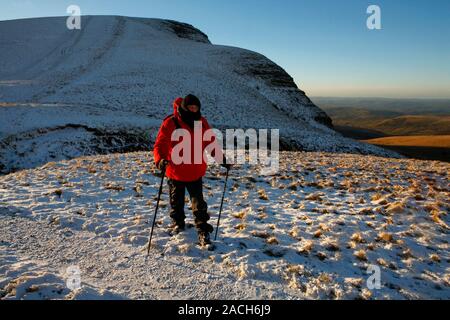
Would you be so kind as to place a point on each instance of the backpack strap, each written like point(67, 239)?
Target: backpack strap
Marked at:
point(175, 121)
point(177, 124)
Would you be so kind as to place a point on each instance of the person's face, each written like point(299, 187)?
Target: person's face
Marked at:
point(193, 108)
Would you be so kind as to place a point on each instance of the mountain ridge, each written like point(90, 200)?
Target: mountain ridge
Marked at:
point(118, 77)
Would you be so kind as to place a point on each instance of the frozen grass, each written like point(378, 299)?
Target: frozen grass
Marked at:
point(346, 213)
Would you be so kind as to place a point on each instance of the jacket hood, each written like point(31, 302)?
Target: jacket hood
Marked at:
point(177, 103)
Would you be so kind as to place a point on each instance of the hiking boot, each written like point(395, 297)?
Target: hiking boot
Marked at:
point(177, 227)
point(204, 239)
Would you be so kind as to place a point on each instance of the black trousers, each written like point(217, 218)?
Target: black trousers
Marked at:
point(177, 191)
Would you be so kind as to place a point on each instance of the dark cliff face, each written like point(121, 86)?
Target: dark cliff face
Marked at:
point(258, 66)
point(261, 67)
point(324, 119)
point(187, 31)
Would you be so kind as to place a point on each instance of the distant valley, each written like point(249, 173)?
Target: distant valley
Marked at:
point(390, 123)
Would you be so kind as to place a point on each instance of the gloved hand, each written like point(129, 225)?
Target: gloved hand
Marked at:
point(162, 164)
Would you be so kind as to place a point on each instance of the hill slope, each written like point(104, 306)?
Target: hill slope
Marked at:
point(106, 88)
point(415, 125)
point(387, 105)
point(390, 122)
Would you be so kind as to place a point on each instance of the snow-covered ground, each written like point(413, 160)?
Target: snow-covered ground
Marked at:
point(310, 231)
point(107, 87)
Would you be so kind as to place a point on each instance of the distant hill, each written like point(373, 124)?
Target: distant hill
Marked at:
point(373, 120)
point(415, 125)
point(420, 147)
point(387, 116)
point(402, 106)
point(389, 122)
point(358, 133)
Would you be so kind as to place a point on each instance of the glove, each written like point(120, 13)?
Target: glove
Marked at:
point(162, 164)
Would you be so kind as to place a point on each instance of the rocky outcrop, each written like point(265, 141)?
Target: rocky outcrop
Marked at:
point(186, 31)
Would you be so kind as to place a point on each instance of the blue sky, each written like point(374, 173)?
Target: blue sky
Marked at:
point(324, 44)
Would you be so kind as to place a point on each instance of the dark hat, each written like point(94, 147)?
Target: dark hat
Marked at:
point(190, 100)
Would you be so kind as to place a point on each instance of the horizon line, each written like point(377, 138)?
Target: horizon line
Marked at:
point(374, 97)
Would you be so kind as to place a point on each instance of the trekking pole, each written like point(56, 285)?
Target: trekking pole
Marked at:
point(156, 210)
point(221, 204)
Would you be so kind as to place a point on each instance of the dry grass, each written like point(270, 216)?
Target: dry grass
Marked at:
point(366, 294)
point(385, 237)
point(294, 232)
point(306, 247)
point(263, 195)
point(361, 255)
point(413, 141)
point(324, 227)
point(184, 248)
point(297, 268)
point(314, 197)
point(240, 227)
point(239, 215)
point(272, 240)
point(357, 238)
point(112, 186)
point(356, 282)
point(261, 234)
point(435, 258)
point(396, 207)
point(436, 217)
point(318, 234)
point(332, 246)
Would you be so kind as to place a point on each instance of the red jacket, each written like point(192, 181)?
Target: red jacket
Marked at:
point(163, 148)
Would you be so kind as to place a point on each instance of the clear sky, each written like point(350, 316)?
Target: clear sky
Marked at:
point(324, 44)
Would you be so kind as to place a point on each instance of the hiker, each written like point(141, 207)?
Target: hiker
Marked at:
point(186, 175)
